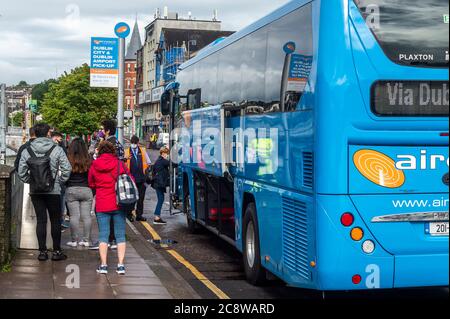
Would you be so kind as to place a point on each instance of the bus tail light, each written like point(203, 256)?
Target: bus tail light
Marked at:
point(347, 219)
point(356, 279)
point(357, 234)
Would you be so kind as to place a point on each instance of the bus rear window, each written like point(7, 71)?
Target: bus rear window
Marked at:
point(411, 32)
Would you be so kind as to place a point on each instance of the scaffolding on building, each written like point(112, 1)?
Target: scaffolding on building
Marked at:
point(174, 56)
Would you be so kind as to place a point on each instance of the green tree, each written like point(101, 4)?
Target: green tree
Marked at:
point(16, 119)
point(39, 90)
point(22, 84)
point(73, 107)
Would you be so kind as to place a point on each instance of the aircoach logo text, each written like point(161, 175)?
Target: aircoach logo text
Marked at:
point(423, 162)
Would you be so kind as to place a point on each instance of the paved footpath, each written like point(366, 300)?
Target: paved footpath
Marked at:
point(31, 279)
point(149, 275)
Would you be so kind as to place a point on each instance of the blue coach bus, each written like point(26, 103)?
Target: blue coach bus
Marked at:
point(351, 189)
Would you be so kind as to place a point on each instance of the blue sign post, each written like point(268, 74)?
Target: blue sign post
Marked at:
point(122, 30)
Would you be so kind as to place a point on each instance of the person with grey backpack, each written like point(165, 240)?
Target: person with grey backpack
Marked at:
point(45, 166)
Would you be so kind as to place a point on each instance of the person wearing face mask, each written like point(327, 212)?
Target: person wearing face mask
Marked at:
point(138, 161)
point(160, 182)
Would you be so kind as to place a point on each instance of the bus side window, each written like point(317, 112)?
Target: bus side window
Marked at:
point(291, 100)
point(194, 98)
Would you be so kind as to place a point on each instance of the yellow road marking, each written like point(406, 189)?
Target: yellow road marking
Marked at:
point(151, 231)
point(202, 278)
point(219, 293)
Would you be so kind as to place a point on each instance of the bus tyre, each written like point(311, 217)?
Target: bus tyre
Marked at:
point(192, 225)
point(255, 273)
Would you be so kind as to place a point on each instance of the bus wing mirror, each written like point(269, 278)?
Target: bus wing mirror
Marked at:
point(166, 102)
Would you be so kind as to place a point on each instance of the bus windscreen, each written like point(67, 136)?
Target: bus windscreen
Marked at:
point(411, 32)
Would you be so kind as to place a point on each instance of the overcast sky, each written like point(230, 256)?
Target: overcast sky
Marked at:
point(40, 39)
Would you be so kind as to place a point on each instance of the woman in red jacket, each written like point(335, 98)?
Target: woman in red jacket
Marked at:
point(102, 179)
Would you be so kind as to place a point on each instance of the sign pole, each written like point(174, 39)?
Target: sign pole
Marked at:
point(121, 93)
point(122, 31)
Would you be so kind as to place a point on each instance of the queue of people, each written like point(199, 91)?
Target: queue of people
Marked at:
point(87, 181)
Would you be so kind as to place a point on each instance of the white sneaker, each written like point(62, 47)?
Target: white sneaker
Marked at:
point(84, 244)
point(112, 245)
point(121, 270)
point(72, 244)
point(102, 269)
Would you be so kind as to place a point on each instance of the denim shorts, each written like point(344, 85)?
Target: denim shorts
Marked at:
point(104, 220)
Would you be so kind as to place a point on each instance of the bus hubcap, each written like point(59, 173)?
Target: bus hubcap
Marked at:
point(251, 254)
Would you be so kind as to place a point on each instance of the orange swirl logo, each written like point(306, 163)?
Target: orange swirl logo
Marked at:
point(378, 168)
point(122, 29)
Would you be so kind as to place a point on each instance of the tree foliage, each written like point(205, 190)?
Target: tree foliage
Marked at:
point(39, 90)
point(16, 119)
point(73, 107)
point(22, 84)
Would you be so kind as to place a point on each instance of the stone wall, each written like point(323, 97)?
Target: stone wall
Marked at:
point(11, 193)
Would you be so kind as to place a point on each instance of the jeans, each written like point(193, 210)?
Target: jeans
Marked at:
point(160, 195)
point(64, 209)
point(104, 224)
point(51, 203)
point(79, 202)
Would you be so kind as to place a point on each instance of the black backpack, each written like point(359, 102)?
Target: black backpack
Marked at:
point(42, 180)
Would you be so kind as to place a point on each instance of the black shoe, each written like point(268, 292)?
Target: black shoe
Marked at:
point(94, 246)
point(58, 256)
point(141, 219)
point(131, 219)
point(43, 256)
point(159, 221)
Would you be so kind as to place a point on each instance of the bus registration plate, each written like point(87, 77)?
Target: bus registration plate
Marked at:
point(437, 229)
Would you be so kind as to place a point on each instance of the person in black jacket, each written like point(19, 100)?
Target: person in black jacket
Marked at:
point(23, 147)
point(160, 182)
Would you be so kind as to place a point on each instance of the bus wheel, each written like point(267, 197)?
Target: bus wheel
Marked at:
point(256, 274)
point(192, 225)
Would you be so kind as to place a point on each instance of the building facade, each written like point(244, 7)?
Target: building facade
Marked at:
point(177, 46)
point(151, 87)
point(17, 98)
